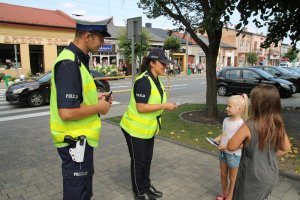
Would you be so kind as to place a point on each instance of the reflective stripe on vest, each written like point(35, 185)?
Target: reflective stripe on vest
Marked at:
point(88, 126)
point(143, 125)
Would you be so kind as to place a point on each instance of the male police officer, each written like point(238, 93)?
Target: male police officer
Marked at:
point(75, 107)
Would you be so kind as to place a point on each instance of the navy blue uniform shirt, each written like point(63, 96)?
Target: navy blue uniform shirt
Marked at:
point(142, 88)
point(68, 79)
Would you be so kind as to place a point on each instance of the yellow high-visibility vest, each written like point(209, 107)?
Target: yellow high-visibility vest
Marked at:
point(144, 125)
point(89, 126)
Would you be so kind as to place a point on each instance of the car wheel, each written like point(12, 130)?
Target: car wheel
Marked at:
point(104, 87)
point(297, 88)
point(101, 90)
point(36, 99)
point(222, 90)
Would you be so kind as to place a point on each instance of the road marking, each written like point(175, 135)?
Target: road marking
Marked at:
point(116, 103)
point(5, 105)
point(121, 86)
point(4, 119)
point(24, 110)
point(178, 88)
point(126, 83)
point(177, 85)
point(120, 91)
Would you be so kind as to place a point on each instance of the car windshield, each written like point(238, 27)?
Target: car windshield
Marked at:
point(96, 74)
point(296, 69)
point(292, 70)
point(45, 78)
point(264, 74)
point(284, 71)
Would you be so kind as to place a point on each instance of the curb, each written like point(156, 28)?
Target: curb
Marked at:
point(281, 172)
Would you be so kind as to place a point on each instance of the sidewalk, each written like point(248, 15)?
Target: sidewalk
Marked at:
point(30, 166)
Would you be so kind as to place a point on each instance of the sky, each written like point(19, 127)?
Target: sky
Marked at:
point(121, 10)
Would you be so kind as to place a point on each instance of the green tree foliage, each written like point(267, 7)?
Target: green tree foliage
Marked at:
point(173, 44)
point(280, 16)
point(291, 55)
point(251, 58)
point(140, 48)
point(201, 15)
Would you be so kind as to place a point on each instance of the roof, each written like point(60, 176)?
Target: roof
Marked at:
point(203, 38)
point(15, 14)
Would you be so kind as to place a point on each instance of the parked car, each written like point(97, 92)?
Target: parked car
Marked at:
point(294, 70)
point(283, 74)
point(36, 91)
point(237, 80)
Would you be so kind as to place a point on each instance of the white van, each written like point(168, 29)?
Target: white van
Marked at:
point(285, 64)
point(295, 64)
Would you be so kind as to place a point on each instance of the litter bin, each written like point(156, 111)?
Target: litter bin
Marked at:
point(189, 71)
point(6, 78)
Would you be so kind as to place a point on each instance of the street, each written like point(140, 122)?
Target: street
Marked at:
point(180, 89)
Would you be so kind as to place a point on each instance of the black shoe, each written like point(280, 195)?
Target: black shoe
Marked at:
point(154, 192)
point(145, 196)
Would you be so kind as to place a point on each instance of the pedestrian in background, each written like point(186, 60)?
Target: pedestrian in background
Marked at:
point(75, 107)
point(142, 121)
point(263, 138)
point(237, 110)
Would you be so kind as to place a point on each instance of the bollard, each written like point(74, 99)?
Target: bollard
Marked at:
point(6, 78)
point(189, 71)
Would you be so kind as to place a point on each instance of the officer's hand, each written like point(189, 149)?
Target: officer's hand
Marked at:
point(170, 106)
point(104, 106)
point(111, 98)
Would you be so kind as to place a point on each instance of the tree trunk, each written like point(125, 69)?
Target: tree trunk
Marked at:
point(211, 62)
point(211, 90)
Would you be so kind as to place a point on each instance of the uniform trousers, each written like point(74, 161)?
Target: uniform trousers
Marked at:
point(77, 177)
point(141, 152)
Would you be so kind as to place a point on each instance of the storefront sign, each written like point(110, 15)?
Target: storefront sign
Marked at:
point(106, 48)
point(33, 40)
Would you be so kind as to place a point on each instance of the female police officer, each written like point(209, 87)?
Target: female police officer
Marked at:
point(142, 121)
point(75, 108)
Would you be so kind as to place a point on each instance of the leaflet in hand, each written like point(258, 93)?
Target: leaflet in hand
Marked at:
point(212, 141)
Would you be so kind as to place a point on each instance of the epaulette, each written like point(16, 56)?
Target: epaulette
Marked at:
point(77, 60)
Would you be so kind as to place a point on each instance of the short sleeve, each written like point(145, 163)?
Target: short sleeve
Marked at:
point(142, 90)
point(68, 85)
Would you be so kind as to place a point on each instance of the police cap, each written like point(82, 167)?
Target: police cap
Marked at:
point(94, 26)
point(158, 54)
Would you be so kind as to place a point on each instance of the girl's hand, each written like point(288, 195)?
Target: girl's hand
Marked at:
point(222, 147)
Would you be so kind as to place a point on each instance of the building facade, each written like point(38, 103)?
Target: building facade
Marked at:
point(248, 42)
point(31, 38)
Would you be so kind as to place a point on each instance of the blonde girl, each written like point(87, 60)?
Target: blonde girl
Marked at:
point(237, 110)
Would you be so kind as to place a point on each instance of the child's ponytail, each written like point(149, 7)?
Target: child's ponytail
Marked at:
point(246, 108)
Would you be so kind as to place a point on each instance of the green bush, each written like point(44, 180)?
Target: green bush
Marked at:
point(109, 70)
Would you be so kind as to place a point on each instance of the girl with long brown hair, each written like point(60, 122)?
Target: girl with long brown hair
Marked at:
point(264, 138)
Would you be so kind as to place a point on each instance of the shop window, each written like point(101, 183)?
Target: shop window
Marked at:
point(60, 48)
point(113, 60)
point(10, 56)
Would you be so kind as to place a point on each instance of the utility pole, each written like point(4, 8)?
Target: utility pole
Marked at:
point(186, 51)
point(134, 31)
point(16, 59)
